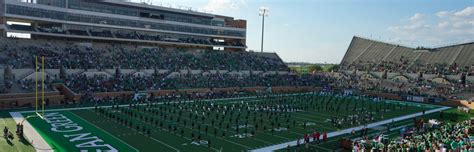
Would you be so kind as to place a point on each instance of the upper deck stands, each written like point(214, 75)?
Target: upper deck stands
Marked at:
point(365, 51)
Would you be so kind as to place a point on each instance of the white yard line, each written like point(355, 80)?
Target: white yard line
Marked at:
point(345, 131)
point(165, 144)
point(161, 142)
point(4, 123)
point(105, 131)
point(221, 139)
point(171, 146)
point(31, 135)
point(236, 132)
point(138, 132)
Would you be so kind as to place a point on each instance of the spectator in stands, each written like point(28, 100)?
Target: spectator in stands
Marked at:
point(109, 56)
point(442, 137)
point(97, 83)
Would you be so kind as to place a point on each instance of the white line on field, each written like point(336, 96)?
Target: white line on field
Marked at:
point(104, 131)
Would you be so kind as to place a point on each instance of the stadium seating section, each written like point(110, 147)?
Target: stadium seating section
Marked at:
point(19, 54)
point(111, 67)
point(364, 54)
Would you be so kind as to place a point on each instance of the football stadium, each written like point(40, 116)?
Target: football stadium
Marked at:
point(116, 75)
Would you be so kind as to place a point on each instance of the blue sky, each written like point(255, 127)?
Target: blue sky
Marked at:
point(320, 31)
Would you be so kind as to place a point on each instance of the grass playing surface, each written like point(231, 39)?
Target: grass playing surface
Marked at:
point(228, 125)
point(16, 144)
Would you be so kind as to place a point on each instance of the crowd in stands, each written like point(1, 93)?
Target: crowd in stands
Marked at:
point(19, 54)
point(417, 87)
point(420, 86)
point(75, 57)
point(429, 137)
point(71, 55)
point(405, 66)
point(3, 89)
point(97, 83)
point(29, 84)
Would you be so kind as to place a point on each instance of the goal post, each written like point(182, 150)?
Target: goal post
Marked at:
point(39, 69)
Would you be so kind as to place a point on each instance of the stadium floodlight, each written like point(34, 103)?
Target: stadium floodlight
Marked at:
point(264, 13)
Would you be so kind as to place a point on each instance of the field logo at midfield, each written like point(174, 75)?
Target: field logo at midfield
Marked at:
point(82, 140)
point(241, 136)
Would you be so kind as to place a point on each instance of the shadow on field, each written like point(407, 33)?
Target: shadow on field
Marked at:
point(10, 143)
point(24, 142)
point(7, 121)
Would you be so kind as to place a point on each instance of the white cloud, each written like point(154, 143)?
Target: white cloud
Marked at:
point(443, 24)
point(462, 24)
point(223, 5)
point(417, 17)
point(447, 27)
point(442, 14)
point(465, 12)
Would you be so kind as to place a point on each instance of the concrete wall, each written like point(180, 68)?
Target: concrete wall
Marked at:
point(94, 73)
point(470, 79)
point(35, 75)
point(52, 72)
point(453, 77)
point(378, 74)
point(412, 75)
point(21, 73)
point(141, 73)
point(235, 73)
point(1, 74)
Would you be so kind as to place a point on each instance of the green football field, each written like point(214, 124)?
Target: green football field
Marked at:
point(211, 125)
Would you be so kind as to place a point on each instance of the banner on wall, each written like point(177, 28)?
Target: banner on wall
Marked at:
point(415, 98)
point(140, 96)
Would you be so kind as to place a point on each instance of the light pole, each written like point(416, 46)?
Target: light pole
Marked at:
point(264, 13)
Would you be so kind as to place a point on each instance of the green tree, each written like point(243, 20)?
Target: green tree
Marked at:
point(331, 68)
point(315, 68)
